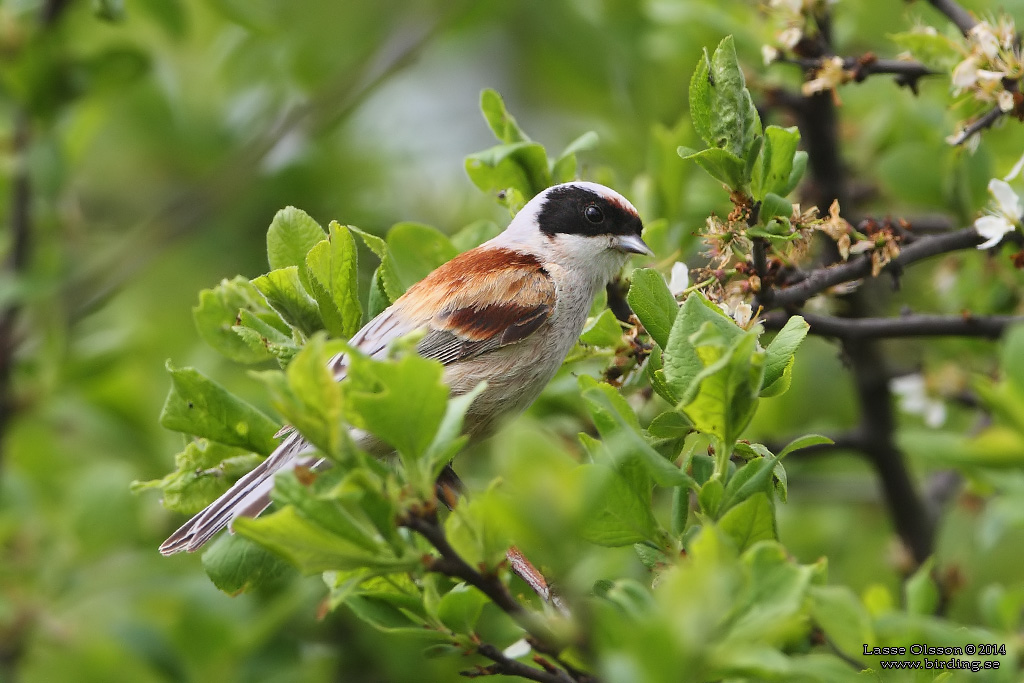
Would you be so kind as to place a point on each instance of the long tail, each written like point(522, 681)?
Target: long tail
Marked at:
point(248, 497)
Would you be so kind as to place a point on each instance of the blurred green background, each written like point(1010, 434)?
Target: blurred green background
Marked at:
point(159, 138)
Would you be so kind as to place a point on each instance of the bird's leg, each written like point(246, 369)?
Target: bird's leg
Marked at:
point(450, 489)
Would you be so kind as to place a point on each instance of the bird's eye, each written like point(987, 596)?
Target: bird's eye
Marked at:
point(593, 214)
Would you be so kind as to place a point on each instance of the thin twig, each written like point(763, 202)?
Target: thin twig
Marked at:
point(955, 13)
point(819, 280)
point(505, 666)
point(981, 123)
point(919, 325)
point(869, 65)
point(450, 563)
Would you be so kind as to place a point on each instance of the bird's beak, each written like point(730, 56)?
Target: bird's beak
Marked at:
point(632, 244)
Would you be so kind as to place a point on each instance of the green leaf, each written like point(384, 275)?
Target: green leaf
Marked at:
point(449, 440)
point(773, 607)
point(262, 336)
point(218, 311)
point(309, 397)
point(385, 278)
point(614, 513)
point(710, 497)
point(653, 303)
point(751, 521)
point(655, 372)
point(620, 430)
point(378, 300)
point(333, 270)
point(402, 402)
point(326, 509)
point(477, 530)
point(670, 425)
point(501, 122)
point(752, 478)
point(921, 590)
point(682, 364)
point(287, 295)
point(416, 250)
point(312, 548)
point(700, 99)
point(772, 173)
point(291, 235)
point(563, 169)
point(237, 565)
point(726, 389)
point(603, 330)
point(842, 617)
point(720, 105)
point(774, 206)
point(780, 354)
point(202, 472)
point(720, 164)
point(522, 166)
point(199, 406)
point(460, 608)
point(799, 167)
point(803, 442)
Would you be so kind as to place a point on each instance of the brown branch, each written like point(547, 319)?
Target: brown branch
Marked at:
point(876, 430)
point(987, 120)
point(955, 13)
point(819, 280)
point(919, 325)
point(451, 564)
point(907, 72)
point(504, 666)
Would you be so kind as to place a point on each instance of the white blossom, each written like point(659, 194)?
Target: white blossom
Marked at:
point(790, 37)
point(1005, 100)
point(985, 38)
point(965, 74)
point(680, 279)
point(912, 392)
point(1015, 171)
point(518, 649)
point(769, 54)
point(1003, 218)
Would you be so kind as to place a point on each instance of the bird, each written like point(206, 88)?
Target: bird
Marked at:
point(506, 313)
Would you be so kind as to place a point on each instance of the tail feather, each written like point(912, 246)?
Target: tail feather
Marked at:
point(247, 497)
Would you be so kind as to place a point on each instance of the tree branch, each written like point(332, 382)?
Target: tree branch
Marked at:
point(821, 279)
point(819, 126)
point(504, 666)
point(955, 13)
point(985, 121)
point(907, 72)
point(450, 563)
point(920, 325)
